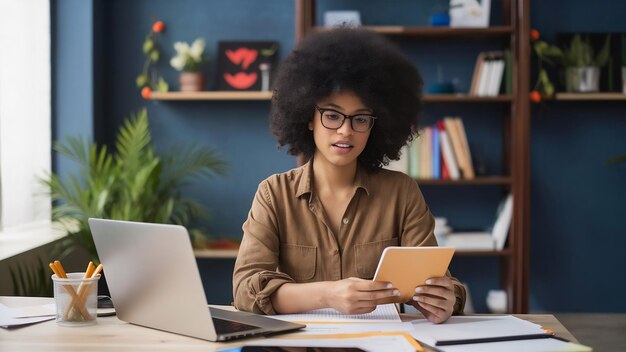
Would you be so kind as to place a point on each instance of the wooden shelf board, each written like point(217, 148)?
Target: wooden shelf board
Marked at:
point(463, 98)
point(215, 253)
point(212, 95)
point(439, 32)
point(491, 180)
point(590, 96)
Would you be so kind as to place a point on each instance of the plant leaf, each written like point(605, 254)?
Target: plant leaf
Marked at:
point(148, 45)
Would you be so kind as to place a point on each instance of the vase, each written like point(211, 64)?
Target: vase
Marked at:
point(585, 79)
point(192, 81)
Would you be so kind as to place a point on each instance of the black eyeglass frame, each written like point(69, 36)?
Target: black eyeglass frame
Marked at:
point(350, 117)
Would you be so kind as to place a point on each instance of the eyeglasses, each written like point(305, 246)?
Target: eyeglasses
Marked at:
point(333, 120)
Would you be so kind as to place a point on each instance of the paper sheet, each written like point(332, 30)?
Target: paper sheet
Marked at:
point(383, 342)
point(9, 319)
point(352, 328)
point(552, 345)
point(382, 313)
point(473, 327)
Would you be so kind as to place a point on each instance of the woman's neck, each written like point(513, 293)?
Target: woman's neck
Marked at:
point(333, 178)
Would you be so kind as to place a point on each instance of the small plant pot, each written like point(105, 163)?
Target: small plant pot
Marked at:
point(192, 81)
point(584, 79)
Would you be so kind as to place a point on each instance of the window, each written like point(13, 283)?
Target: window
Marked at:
point(25, 126)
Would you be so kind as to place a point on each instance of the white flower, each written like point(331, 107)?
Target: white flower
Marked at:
point(197, 48)
point(178, 62)
point(188, 58)
point(181, 48)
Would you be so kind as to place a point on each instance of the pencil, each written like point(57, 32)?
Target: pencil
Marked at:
point(60, 273)
point(81, 289)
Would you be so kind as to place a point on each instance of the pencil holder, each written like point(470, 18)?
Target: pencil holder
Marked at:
point(76, 299)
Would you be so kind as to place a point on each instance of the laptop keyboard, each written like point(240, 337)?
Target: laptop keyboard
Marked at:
point(228, 326)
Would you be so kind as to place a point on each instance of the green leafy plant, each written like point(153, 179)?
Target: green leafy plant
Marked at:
point(31, 281)
point(579, 53)
point(133, 183)
point(148, 80)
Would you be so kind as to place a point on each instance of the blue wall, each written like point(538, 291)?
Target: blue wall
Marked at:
point(576, 198)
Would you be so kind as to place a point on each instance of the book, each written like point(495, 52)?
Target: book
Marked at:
point(467, 155)
point(457, 144)
point(436, 154)
point(447, 154)
point(494, 239)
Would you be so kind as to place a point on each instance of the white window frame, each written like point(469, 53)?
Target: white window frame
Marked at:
point(25, 124)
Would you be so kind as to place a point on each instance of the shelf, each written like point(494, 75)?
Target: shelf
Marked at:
point(216, 253)
point(492, 180)
point(212, 95)
point(226, 95)
point(470, 253)
point(439, 32)
point(462, 98)
point(590, 96)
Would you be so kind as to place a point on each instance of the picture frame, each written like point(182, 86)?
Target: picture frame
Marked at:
point(246, 65)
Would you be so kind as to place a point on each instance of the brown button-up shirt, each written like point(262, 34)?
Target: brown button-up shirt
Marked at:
point(287, 238)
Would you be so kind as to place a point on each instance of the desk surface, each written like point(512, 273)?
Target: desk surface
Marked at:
point(112, 334)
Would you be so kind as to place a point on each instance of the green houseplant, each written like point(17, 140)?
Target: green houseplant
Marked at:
point(133, 183)
point(581, 65)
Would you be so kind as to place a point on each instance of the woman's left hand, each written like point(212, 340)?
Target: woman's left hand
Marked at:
point(436, 299)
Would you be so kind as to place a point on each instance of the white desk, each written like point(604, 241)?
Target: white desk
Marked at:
point(111, 334)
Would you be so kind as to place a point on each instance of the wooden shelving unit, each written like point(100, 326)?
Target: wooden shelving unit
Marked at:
point(439, 32)
point(515, 35)
point(590, 96)
point(211, 95)
point(226, 95)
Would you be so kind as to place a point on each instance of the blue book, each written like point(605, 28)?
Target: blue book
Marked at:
point(436, 153)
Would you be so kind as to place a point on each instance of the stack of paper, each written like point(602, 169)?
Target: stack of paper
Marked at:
point(14, 317)
point(482, 333)
point(383, 313)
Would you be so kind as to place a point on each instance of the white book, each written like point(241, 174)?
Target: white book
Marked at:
point(485, 76)
point(503, 223)
point(493, 240)
point(496, 77)
point(469, 241)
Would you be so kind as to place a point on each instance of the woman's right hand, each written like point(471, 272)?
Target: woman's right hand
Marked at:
point(358, 296)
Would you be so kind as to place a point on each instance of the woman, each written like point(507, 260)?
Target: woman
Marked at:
point(347, 100)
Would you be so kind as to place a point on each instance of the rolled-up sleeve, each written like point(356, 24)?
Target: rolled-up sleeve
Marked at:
point(419, 230)
point(255, 276)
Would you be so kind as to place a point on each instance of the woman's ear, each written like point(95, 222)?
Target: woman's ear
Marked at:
point(310, 125)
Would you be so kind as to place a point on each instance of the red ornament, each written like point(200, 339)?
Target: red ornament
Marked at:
point(158, 27)
point(146, 92)
point(534, 35)
point(535, 96)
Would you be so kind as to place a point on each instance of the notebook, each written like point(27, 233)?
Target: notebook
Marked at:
point(154, 282)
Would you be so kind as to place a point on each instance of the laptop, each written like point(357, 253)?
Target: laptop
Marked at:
point(154, 281)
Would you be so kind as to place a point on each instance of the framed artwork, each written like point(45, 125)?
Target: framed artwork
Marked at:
point(246, 65)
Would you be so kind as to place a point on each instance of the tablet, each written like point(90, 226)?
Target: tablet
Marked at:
point(409, 267)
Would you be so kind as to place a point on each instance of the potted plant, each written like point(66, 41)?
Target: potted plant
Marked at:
point(188, 60)
point(149, 81)
point(133, 183)
point(581, 65)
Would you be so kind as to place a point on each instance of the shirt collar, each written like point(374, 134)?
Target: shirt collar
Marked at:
point(306, 180)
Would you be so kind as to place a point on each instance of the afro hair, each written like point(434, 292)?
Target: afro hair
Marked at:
point(356, 60)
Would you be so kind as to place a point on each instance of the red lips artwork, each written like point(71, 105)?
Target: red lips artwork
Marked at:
point(243, 57)
point(240, 64)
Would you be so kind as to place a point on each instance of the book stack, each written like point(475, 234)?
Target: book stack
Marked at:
point(441, 151)
point(492, 74)
point(494, 239)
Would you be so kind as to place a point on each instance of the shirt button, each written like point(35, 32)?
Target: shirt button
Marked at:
point(345, 221)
